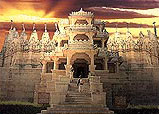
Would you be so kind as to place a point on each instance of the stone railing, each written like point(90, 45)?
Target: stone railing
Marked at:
point(80, 44)
point(82, 27)
point(82, 13)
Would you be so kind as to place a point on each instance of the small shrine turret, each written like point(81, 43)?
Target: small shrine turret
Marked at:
point(45, 37)
point(81, 18)
point(33, 41)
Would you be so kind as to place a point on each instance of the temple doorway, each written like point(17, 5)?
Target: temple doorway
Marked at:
point(81, 67)
point(49, 67)
point(112, 67)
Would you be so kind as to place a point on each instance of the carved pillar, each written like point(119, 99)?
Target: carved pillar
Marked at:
point(117, 67)
point(55, 65)
point(68, 66)
point(92, 66)
point(92, 59)
point(58, 45)
point(68, 60)
point(106, 65)
point(44, 67)
point(102, 43)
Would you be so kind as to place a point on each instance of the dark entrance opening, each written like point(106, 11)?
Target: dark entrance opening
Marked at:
point(80, 67)
point(99, 64)
point(112, 67)
point(62, 66)
point(49, 66)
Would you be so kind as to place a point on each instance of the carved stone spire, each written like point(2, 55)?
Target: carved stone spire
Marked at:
point(11, 26)
point(155, 30)
point(23, 35)
point(45, 27)
point(34, 36)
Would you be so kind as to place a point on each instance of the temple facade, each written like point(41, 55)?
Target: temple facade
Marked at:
point(117, 70)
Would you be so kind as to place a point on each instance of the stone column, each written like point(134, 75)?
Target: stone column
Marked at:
point(106, 65)
point(58, 45)
point(68, 66)
point(102, 43)
point(68, 60)
point(44, 67)
point(55, 65)
point(117, 67)
point(92, 66)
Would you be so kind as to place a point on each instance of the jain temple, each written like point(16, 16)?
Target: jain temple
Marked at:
point(117, 70)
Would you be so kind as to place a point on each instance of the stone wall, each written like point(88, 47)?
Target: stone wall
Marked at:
point(18, 84)
point(136, 87)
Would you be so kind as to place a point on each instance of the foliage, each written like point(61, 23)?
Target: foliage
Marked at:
point(138, 109)
point(14, 107)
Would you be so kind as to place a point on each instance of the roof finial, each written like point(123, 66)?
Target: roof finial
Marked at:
point(155, 30)
point(81, 9)
point(23, 27)
point(11, 26)
point(45, 27)
point(33, 26)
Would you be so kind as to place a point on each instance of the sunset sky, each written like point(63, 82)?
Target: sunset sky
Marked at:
point(138, 13)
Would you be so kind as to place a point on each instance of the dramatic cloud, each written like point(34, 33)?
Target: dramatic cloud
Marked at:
point(109, 13)
point(61, 8)
point(132, 4)
point(125, 24)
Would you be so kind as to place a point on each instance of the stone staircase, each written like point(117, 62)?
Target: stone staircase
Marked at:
point(75, 97)
point(77, 103)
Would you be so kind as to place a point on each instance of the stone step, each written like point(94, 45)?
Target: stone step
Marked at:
point(78, 97)
point(78, 100)
point(75, 99)
point(73, 89)
point(77, 110)
point(72, 92)
point(77, 106)
point(77, 103)
point(81, 109)
point(75, 84)
point(82, 95)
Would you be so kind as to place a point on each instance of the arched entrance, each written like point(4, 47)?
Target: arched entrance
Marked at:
point(80, 63)
point(81, 67)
